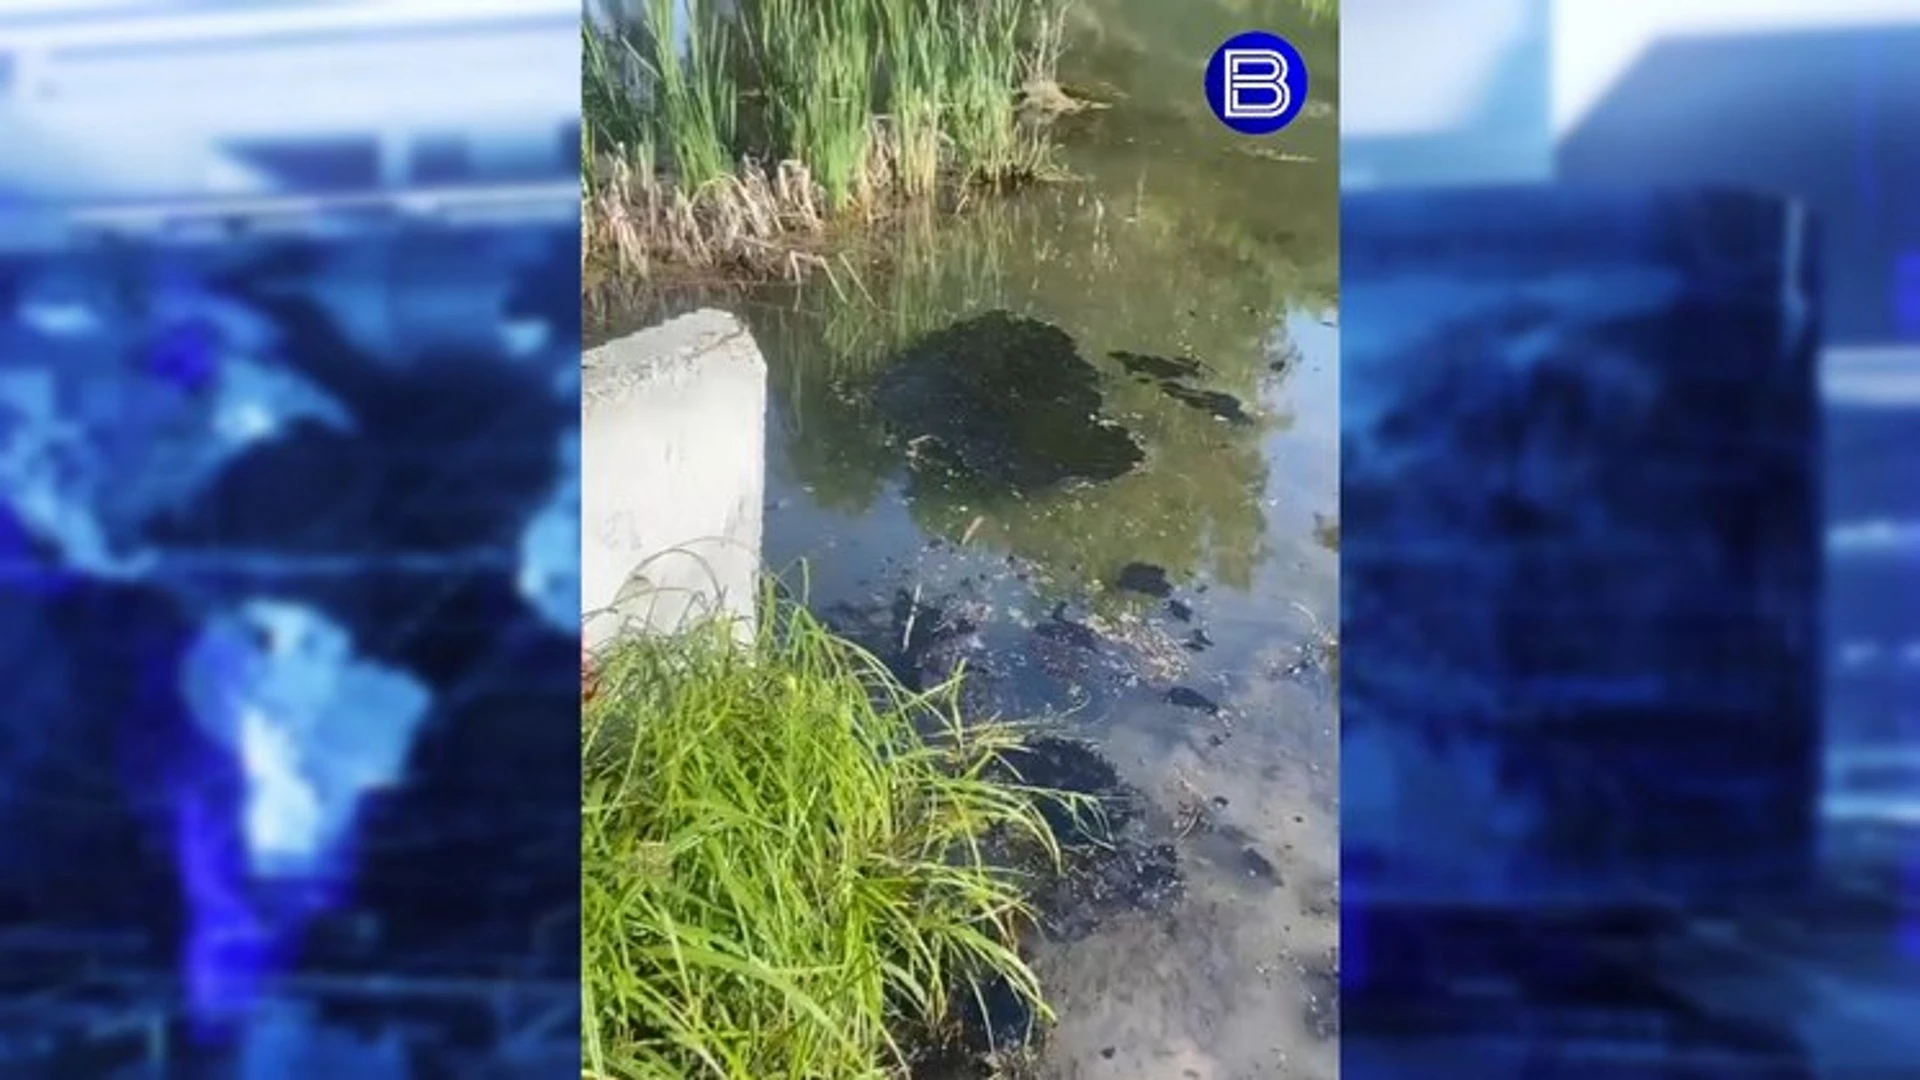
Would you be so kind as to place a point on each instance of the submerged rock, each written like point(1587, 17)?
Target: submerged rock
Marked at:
point(1006, 402)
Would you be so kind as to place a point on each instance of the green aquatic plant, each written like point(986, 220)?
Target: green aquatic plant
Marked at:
point(988, 57)
point(607, 119)
point(916, 91)
point(753, 117)
point(687, 97)
point(783, 872)
point(817, 77)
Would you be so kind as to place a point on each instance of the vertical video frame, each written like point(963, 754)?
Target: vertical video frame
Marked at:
point(960, 539)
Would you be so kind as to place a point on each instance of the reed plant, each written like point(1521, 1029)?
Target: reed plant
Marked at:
point(858, 104)
point(783, 871)
point(985, 55)
point(916, 91)
point(816, 74)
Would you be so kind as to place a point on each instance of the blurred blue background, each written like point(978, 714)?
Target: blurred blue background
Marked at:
point(289, 330)
point(1628, 875)
point(1472, 110)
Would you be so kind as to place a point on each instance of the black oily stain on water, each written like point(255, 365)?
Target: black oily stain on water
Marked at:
point(1174, 376)
point(1111, 867)
point(1112, 864)
point(1007, 402)
point(1144, 578)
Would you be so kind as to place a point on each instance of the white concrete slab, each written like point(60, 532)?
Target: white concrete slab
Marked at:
point(673, 458)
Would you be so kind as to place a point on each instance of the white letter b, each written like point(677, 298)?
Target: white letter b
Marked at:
point(1256, 84)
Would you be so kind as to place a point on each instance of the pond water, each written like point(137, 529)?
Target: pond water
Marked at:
point(1085, 440)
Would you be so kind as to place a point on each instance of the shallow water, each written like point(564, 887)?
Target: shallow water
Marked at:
point(1216, 700)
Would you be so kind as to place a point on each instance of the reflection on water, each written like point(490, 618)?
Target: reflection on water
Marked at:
point(1194, 273)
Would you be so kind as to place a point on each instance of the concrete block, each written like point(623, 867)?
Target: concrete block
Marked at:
point(673, 458)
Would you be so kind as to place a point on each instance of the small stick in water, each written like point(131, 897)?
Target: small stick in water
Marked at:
point(913, 612)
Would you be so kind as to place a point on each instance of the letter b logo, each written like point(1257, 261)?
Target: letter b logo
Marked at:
point(1256, 83)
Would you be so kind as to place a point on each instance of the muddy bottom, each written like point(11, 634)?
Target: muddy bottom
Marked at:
point(1194, 931)
point(1114, 863)
point(1238, 979)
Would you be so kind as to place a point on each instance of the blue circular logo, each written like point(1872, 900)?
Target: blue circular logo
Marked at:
point(1256, 82)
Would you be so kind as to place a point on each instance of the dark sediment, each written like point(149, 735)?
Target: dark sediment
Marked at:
point(1114, 862)
point(1156, 368)
point(1192, 699)
point(922, 644)
point(1216, 403)
point(1174, 377)
point(1005, 403)
point(1067, 632)
point(1146, 579)
point(1259, 867)
point(1110, 868)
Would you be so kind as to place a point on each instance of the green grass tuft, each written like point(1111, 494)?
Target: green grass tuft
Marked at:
point(782, 865)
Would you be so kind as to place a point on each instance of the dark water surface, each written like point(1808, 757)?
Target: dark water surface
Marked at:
point(1085, 441)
